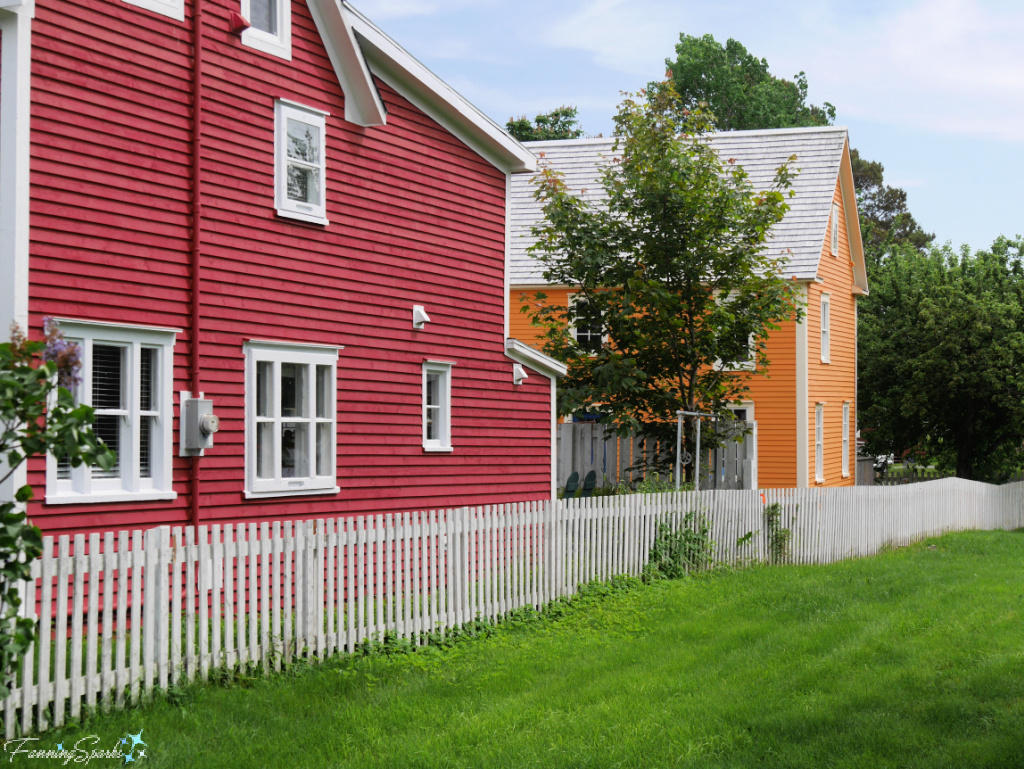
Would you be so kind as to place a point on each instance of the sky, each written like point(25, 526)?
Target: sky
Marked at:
point(932, 89)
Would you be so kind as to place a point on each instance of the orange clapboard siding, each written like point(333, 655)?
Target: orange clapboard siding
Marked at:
point(835, 382)
point(773, 395)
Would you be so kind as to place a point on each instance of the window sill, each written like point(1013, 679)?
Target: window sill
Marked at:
point(439, 449)
point(291, 492)
point(267, 43)
point(109, 496)
point(310, 218)
point(819, 481)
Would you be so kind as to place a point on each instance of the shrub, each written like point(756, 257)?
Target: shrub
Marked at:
point(678, 552)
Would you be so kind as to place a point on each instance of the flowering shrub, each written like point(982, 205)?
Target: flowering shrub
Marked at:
point(37, 415)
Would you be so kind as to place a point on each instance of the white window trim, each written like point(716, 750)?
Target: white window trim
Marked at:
point(846, 439)
point(825, 321)
point(835, 229)
point(278, 353)
point(580, 297)
point(82, 487)
point(819, 442)
point(444, 443)
point(750, 365)
point(279, 45)
point(293, 209)
point(174, 9)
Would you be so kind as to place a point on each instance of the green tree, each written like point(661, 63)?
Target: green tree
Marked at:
point(560, 123)
point(738, 88)
point(742, 94)
point(37, 415)
point(941, 358)
point(673, 269)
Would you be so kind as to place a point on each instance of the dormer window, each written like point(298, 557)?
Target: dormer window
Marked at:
point(271, 26)
point(300, 162)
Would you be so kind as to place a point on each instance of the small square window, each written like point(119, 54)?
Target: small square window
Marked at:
point(271, 27)
point(290, 419)
point(437, 406)
point(300, 162)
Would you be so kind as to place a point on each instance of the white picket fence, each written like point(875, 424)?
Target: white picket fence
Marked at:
point(124, 614)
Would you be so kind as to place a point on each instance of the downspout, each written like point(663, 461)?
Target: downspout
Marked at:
point(197, 218)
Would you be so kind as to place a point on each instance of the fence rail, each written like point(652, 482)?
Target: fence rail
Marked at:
point(120, 615)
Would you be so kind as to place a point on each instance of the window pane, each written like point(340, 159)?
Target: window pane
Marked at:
point(294, 450)
point(264, 15)
point(323, 392)
point(433, 389)
point(108, 429)
point(589, 328)
point(264, 372)
point(265, 450)
point(146, 446)
point(432, 423)
point(147, 379)
point(324, 436)
point(303, 142)
point(107, 366)
point(304, 184)
point(293, 390)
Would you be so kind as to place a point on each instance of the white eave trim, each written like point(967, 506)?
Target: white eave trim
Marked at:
point(853, 235)
point(538, 361)
point(363, 105)
point(435, 97)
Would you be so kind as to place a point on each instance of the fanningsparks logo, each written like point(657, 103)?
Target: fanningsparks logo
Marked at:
point(128, 749)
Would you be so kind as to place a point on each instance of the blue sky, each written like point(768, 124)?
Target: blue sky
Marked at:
point(934, 89)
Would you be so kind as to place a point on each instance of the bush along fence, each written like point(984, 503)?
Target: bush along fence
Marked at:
point(121, 615)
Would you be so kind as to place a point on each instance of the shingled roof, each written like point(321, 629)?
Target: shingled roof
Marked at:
point(800, 235)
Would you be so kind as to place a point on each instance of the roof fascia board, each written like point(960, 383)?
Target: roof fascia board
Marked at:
point(363, 105)
point(853, 234)
point(538, 361)
point(433, 96)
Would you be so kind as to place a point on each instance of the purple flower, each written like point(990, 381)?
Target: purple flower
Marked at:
point(66, 355)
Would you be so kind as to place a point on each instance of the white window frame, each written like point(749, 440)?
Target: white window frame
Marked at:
point(173, 9)
point(819, 442)
point(284, 111)
point(279, 45)
point(846, 439)
point(747, 365)
point(443, 443)
point(825, 322)
point(276, 353)
point(835, 229)
point(580, 297)
point(82, 487)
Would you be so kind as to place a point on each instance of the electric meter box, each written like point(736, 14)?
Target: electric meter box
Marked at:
point(199, 423)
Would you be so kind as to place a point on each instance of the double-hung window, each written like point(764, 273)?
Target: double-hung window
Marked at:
point(588, 327)
point(819, 442)
point(826, 342)
point(300, 162)
point(126, 377)
point(437, 405)
point(291, 423)
point(270, 27)
point(846, 439)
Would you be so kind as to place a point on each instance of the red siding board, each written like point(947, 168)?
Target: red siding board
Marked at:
point(416, 217)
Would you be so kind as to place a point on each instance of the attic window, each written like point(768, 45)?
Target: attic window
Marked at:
point(835, 229)
point(300, 162)
point(271, 30)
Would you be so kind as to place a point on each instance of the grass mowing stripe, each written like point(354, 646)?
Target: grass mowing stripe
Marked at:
point(913, 658)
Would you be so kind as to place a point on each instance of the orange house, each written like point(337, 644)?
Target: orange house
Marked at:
point(805, 405)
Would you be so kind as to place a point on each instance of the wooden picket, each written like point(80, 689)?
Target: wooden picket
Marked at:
point(122, 615)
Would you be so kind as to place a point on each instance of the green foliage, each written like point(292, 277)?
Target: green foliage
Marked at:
point(779, 538)
point(680, 230)
point(652, 483)
point(941, 358)
point(560, 123)
point(885, 220)
point(738, 88)
point(677, 552)
point(37, 415)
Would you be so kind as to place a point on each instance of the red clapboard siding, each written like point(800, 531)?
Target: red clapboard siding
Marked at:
point(416, 217)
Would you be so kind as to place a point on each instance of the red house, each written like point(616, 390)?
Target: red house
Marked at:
point(268, 213)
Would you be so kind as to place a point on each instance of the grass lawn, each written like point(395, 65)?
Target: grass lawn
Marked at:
point(914, 658)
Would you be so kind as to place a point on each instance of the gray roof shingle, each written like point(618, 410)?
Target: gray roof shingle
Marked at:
point(818, 151)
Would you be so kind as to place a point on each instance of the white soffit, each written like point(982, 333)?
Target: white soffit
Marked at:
point(434, 97)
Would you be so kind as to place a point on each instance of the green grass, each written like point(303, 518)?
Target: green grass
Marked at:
point(914, 658)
